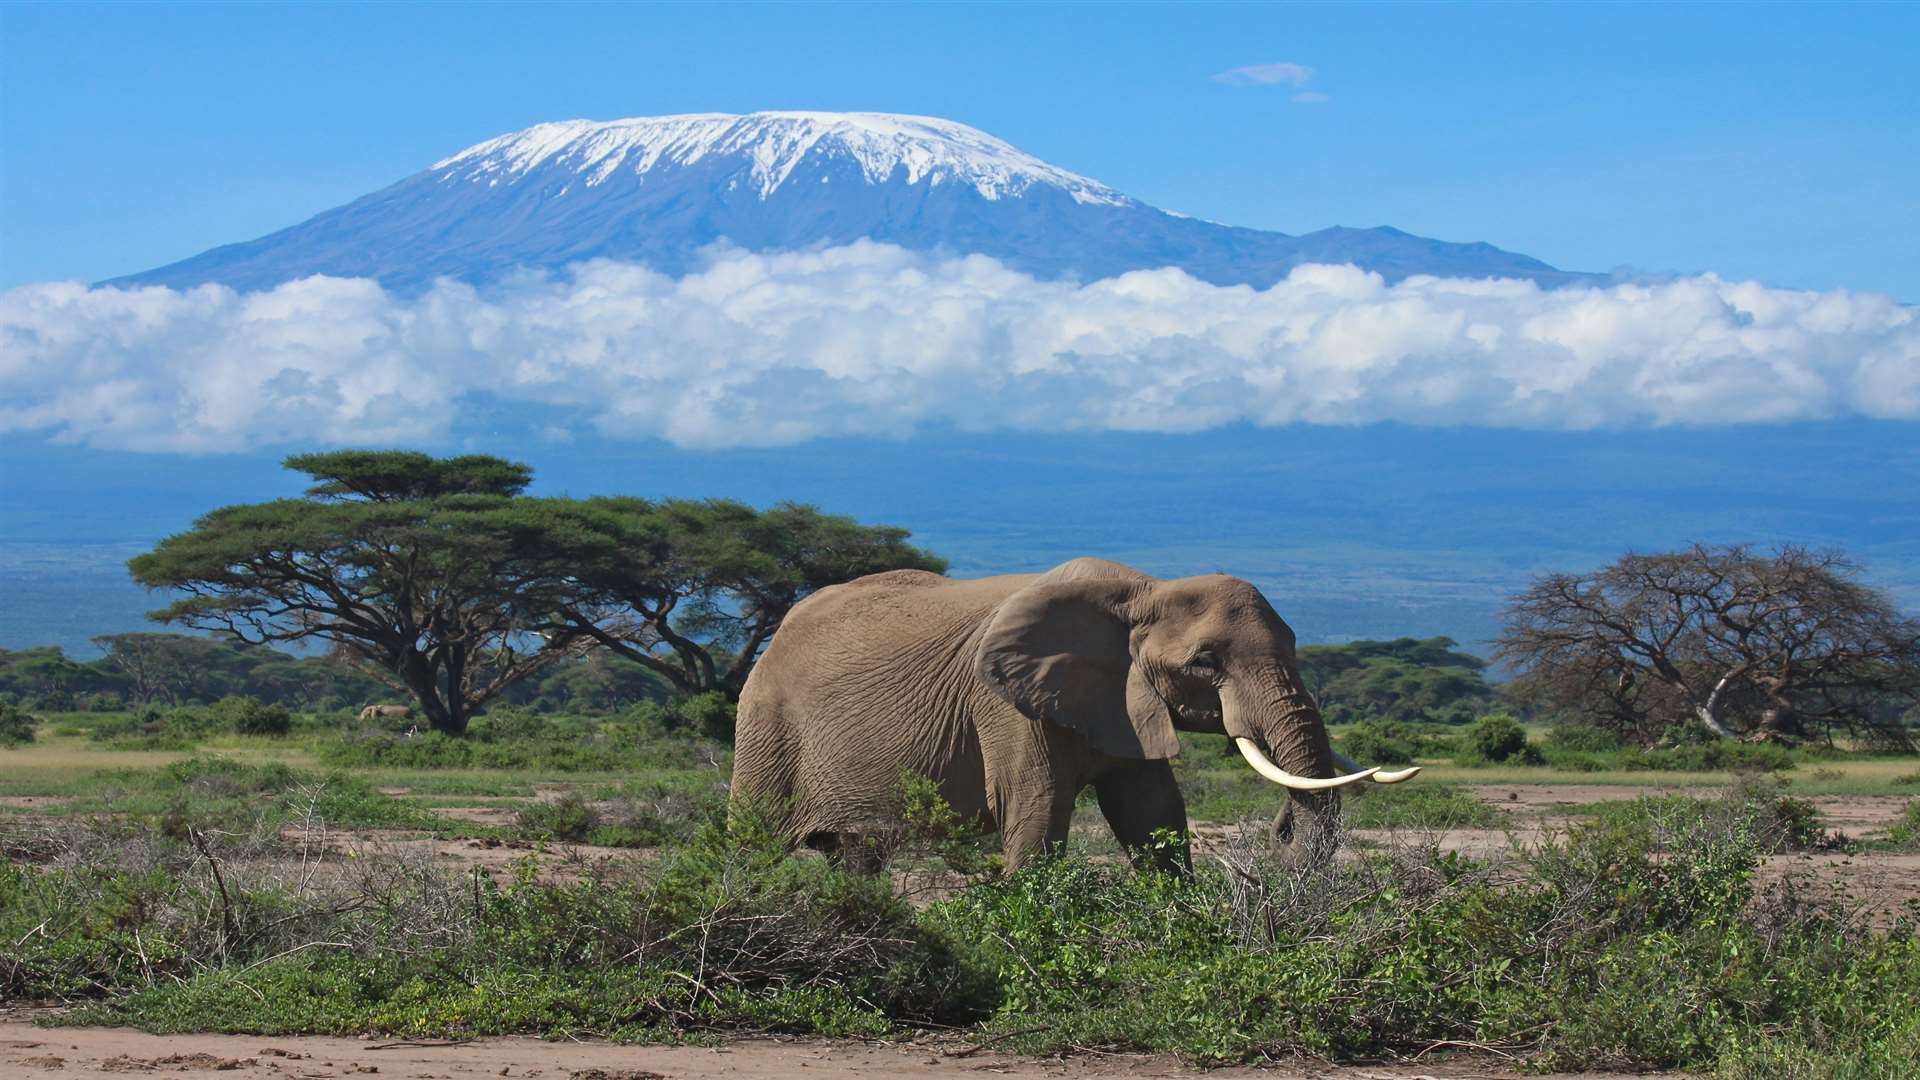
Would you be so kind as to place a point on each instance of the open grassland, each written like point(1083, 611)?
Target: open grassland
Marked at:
point(572, 877)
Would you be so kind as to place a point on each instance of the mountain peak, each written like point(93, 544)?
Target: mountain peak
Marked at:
point(768, 147)
point(660, 191)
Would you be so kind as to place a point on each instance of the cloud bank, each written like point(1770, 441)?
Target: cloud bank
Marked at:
point(772, 349)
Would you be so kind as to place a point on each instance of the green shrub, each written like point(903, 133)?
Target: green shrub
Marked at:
point(512, 723)
point(707, 716)
point(1721, 754)
point(1581, 738)
point(155, 728)
point(1904, 833)
point(1497, 738)
point(1374, 743)
point(569, 817)
point(511, 737)
point(248, 716)
point(666, 808)
point(1635, 942)
point(1759, 811)
point(16, 725)
point(730, 933)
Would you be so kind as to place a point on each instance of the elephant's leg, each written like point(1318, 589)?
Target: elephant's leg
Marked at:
point(1139, 799)
point(1034, 821)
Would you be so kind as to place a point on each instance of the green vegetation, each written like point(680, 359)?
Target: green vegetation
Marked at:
point(1498, 739)
point(1640, 940)
point(1423, 805)
point(1625, 946)
point(218, 792)
point(661, 810)
point(575, 664)
point(17, 725)
point(1402, 681)
point(442, 576)
point(1905, 833)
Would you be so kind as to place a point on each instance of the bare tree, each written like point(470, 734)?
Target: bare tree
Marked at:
point(1784, 644)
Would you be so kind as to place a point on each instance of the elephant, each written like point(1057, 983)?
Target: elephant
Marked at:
point(386, 712)
point(1013, 693)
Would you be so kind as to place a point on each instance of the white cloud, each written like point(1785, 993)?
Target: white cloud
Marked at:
point(870, 339)
point(1266, 75)
point(1310, 97)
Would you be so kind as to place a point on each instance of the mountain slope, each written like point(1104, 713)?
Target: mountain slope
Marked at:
point(656, 190)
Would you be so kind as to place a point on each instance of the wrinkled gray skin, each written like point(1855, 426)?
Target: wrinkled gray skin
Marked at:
point(1013, 693)
point(380, 712)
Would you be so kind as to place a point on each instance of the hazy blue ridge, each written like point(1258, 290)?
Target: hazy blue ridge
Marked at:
point(1372, 531)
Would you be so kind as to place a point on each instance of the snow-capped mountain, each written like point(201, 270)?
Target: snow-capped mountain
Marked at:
point(656, 190)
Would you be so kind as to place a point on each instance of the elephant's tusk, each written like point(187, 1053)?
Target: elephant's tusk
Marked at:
point(1378, 777)
point(1265, 767)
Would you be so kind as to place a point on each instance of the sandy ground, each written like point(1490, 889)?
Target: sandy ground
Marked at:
point(38, 1053)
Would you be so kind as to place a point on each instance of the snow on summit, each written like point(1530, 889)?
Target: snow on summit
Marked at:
point(665, 192)
point(772, 145)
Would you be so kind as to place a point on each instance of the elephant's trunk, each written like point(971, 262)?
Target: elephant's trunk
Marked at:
point(1271, 708)
point(1275, 711)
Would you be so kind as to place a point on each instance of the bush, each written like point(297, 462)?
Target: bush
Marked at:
point(1904, 833)
point(728, 934)
point(669, 808)
point(149, 729)
point(1721, 754)
point(1582, 738)
point(1758, 811)
point(1497, 738)
point(1373, 743)
point(16, 725)
point(569, 817)
point(248, 716)
point(707, 716)
point(1634, 942)
point(518, 738)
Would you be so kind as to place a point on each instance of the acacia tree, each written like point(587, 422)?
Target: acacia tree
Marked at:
point(407, 564)
point(178, 667)
point(1783, 644)
point(694, 589)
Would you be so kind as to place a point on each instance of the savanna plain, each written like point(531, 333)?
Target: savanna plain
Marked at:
point(239, 887)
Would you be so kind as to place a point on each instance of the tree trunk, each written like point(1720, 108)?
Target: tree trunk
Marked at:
point(441, 708)
point(1709, 710)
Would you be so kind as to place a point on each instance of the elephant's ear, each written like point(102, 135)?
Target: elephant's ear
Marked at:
point(1058, 651)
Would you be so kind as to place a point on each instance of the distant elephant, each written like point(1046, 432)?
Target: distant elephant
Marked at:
point(1013, 693)
point(386, 712)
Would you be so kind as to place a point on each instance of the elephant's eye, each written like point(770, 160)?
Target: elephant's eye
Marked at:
point(1206, 663)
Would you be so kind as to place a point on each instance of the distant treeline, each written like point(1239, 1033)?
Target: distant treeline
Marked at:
point(184, 669)
point(1400, 681)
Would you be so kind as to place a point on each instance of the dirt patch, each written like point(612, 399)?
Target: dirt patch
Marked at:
point(1541, 800)
point(175, 1063)
point(1856, 815)
point(88, 1052)
point(497, 816)
point(1860, 815)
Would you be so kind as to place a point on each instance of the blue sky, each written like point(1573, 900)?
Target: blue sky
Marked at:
point(1774, 142)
